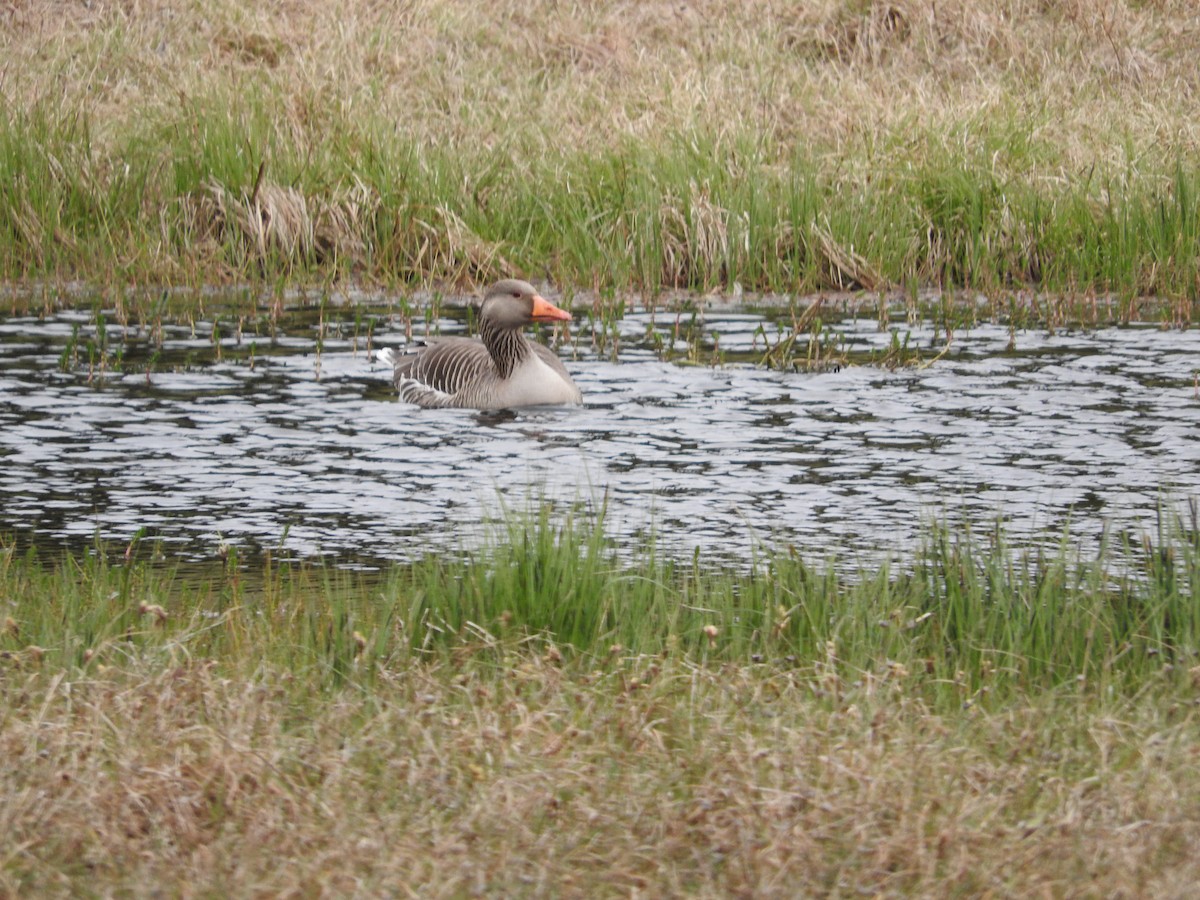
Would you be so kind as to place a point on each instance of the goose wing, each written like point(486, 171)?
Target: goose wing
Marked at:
point(460, 372)
point(436, 374)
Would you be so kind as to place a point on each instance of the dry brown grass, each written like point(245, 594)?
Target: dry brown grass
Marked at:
point(272, 221)
point(879, 102)
point(1096, 78)
point(649, 778)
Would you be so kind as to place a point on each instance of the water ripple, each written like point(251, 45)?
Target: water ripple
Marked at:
point(313, 453)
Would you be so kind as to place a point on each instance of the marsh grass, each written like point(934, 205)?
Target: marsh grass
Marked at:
point(875, 146)
point(538, 712)
point(147, 332)
point(962, 616)
point(687, 215)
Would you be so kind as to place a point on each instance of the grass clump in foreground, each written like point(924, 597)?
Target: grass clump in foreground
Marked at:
point(545, 718)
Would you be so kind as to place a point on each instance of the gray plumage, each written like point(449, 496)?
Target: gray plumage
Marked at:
point(501, 369)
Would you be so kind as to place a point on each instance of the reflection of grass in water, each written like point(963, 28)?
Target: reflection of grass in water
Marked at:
point(577, 714)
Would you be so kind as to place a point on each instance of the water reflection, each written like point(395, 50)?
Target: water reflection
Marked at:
point(275, 444)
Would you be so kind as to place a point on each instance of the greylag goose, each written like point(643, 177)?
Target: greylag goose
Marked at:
point(504, 369)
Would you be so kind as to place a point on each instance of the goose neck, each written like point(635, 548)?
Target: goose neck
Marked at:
point(507, 346)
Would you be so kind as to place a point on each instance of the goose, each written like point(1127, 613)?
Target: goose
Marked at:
point(503, 369)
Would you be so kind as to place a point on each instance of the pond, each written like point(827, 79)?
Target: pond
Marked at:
point(291, 439)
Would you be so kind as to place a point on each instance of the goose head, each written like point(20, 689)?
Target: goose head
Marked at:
point(515, 304)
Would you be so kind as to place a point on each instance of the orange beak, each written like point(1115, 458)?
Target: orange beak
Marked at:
point(545, 311)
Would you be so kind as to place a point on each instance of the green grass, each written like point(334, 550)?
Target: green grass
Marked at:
point(961, 619)
point(222, 194)
point(995, 146)
point(544, 716)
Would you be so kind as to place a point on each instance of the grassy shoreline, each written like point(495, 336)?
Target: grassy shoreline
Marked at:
point(842, 145)
point(693, 213)
point(538, 715)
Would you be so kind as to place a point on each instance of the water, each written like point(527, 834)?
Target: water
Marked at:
point(299, 446)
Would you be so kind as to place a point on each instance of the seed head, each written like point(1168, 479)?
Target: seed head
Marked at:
point(153, 609)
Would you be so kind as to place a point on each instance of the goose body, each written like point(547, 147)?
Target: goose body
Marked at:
point(501, 369)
